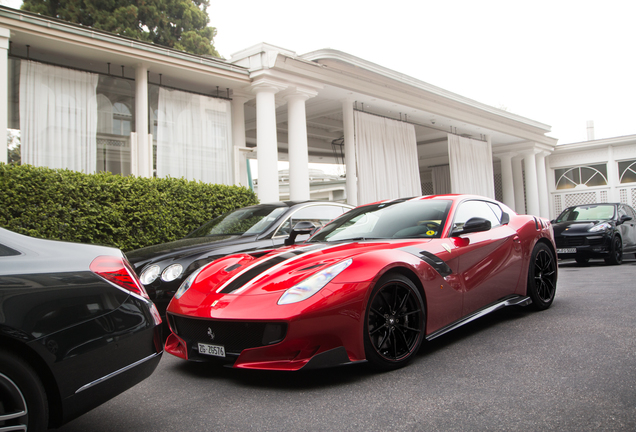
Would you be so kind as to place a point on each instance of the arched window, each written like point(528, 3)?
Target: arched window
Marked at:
point(581, 177)
point(627, 171)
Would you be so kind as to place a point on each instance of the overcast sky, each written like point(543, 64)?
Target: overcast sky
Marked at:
point(559, 62)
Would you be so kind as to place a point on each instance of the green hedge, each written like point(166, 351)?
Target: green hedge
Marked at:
point(126, 212)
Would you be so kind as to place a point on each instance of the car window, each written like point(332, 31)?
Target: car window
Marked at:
point(475, 208)
point(622, 211)
point(393, 219)
point(587, 213)
point(319, 215)
point(248, 220)
point(630, 212)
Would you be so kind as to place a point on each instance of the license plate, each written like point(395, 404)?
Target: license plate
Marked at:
point(212, 350)
point(566, 251)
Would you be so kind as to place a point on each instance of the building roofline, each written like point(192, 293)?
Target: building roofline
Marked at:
point(336, 55)
point(108, 37)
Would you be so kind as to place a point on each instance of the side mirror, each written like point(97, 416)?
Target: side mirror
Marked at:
point(304, 227)
point(475, 224)
point(624, 219)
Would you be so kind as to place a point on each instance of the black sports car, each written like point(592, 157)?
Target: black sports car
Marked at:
point(76, 329)
point(162, 268)
point(604, 230)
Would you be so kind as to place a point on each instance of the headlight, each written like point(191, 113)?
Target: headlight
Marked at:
point(312, 284)
point(172, 272)
point(149, 275)
point(188, 283)
point(600, 227)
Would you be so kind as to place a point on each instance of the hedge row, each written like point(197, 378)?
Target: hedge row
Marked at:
point(126, 212)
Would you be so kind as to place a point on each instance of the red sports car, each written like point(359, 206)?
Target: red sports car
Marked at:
point(369, 286)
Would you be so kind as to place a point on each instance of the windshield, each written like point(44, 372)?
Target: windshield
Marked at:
point(587, 213)
point(250, 220)
point(391, 220)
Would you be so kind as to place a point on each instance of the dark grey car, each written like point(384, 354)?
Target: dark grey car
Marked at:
point(162, 268)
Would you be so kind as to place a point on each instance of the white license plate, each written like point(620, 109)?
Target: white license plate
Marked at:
point(566, 251)
point(212, 350)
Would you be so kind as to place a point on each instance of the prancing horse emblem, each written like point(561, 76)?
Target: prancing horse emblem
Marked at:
point(210, 333)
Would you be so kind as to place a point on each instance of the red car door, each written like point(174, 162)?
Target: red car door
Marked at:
point(489, 262)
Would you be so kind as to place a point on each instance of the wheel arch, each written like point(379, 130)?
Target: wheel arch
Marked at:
point(412, 276)
point(39, 366)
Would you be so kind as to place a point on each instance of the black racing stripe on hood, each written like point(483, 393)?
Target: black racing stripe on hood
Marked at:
point(263, 267)
point(431, 259)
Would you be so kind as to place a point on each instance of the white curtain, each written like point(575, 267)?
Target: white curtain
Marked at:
point(58, 117)
point(194, 137)
point(471, 166)
point(441, 180)
point(386, 153)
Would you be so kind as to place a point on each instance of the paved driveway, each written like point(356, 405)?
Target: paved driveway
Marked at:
point(570, 368)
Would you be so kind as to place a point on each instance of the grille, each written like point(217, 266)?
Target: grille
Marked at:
point(235, 336)
point(564, 242)
point(570, 241)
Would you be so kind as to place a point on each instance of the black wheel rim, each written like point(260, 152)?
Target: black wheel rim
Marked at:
point(545, 275)
point(13, 409)
point(395, 321)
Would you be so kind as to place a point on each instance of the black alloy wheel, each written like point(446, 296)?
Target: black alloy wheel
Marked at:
point(616, 253)
point(542, 277)
point(23, 403)
point(394, 325)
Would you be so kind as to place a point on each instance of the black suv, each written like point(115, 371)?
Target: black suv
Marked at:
point(603, 230)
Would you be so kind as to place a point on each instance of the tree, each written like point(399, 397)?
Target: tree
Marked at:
point(178, 24)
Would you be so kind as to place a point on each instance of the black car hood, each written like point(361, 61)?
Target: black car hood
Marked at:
point(184, 247)
point(574, 227)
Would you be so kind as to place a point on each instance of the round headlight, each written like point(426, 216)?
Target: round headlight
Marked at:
point(172, 272)
point(149, 274)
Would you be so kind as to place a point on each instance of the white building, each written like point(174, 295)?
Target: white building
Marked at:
point(89, 100)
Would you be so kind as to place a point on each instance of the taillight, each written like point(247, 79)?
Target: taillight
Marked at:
point(118, 271)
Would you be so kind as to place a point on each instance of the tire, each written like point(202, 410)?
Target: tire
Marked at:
point(542, 277)
point(23, 400)
point(582, 261)
point(616, 253)
point(394, 322)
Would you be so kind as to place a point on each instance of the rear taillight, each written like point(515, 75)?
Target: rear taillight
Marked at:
point(118, 271)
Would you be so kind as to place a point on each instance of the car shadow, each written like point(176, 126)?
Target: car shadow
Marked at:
point(569, 263)
point(341, 375)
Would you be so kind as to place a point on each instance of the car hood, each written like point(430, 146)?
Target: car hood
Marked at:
point(565, 228)
point(256, 276)
point(182, 248)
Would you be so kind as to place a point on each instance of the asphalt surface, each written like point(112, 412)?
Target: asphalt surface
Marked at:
point(569, 368)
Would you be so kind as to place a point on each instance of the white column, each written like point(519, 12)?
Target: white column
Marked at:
point(144, 148)
point(351, 181)
point(520, 196)
point(612, 176)
point(507, 180)
point(532, 188)
point(266, 142)
point(542, 184)
point(238, 137)
point(298, 147)
point(4, 82)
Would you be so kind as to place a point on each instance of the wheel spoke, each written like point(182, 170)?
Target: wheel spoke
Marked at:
point(377, 329)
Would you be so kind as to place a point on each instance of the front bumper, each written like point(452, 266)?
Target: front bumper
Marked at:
point(593, 245)
point(268, 345)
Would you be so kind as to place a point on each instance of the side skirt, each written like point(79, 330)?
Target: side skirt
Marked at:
point(508, 301)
